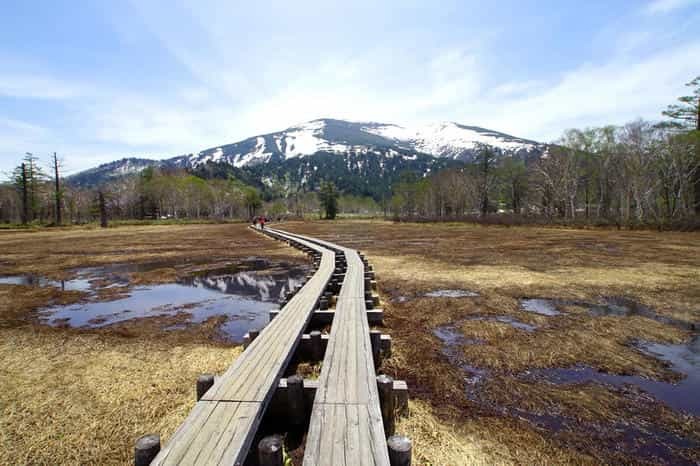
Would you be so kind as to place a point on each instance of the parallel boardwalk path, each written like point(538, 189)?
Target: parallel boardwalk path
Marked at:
point(346, 420)
point(223, 424)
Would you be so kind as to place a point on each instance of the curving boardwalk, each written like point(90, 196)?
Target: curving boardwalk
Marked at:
point(346, 426)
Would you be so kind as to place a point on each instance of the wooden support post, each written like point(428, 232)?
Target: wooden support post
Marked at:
point(386, 346)
point(204, 383)
point(401, 397)
point(147, 447)
point(399, 450)
point(270, 451)
point(385, 385)
point(295, 400)
point(375, 340)
point(375, 316)
point(323, 304)
point(316, 349)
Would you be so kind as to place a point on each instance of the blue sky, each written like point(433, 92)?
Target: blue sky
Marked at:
point(96, 81)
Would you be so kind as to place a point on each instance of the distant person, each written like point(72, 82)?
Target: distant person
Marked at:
point(262, 222)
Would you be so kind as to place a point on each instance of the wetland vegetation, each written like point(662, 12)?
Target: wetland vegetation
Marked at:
point(554, 345)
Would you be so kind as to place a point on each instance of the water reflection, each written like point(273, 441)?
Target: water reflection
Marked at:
point(244, 298)
point(683, 359)
point(77, 284)
point(546, 307)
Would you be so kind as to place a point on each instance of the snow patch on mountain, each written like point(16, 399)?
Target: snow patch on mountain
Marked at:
point(450, 139)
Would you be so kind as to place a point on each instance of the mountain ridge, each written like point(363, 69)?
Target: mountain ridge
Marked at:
point(386, 146)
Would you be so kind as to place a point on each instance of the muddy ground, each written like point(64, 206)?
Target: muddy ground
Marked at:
point(478, 366)
point(476, 361)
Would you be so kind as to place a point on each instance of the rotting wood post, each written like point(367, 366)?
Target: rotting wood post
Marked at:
point(316, 348)
point(204, 383)
point(385, 386)
point(400, 397)
point(375, 340)
point(270, 451)
point(386, 346)
point(295, 399)
point(146, 449)
point(399, 450)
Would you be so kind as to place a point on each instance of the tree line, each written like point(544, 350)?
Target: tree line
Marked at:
point(33, 196)
point(637, 174)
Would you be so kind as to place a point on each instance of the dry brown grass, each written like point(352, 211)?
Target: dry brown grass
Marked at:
point(437, 441)
point(660, 270)
point(70, 396)
point(84, 399)
point(53, 253)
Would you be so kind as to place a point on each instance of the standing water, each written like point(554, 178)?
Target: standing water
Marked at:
point(243, 294)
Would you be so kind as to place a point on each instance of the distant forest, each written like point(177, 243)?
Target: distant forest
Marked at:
point(639, 174)
point(642, 174)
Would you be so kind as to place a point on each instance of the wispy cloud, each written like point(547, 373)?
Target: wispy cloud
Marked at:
point(666, 6)
point(608, 93)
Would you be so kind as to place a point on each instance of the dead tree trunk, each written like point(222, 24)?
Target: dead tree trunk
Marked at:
point(103, 210)
point(58, 190)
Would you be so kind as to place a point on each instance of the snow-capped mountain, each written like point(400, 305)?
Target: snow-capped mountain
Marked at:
point(365, 152)
point(445, 140)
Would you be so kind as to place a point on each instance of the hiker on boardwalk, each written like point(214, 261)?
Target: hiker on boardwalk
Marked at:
point(262, 221)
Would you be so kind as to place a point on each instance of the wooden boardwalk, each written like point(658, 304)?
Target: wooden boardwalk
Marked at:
point(223, 424)
point(346, 424)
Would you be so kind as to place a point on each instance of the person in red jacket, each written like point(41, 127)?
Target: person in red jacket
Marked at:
point(262, 222)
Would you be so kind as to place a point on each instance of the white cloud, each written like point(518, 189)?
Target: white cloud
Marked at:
point(666, 6)
point(600, 94)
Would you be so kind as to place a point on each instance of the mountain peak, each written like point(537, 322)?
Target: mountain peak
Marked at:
point(330, 137)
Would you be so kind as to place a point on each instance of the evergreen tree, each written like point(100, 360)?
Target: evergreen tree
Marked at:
point(328, 197)
point(28, 180)
point(686, 115)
